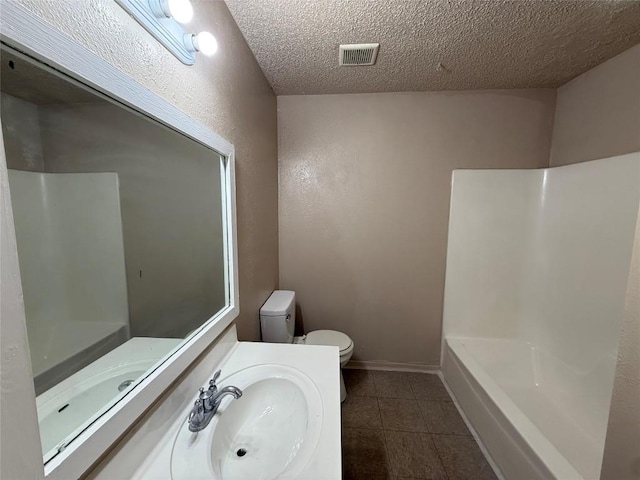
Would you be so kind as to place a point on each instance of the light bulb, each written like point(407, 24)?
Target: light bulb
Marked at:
point(180, 10)
point(206, 43)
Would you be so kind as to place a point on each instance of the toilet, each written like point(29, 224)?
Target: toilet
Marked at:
point(277, 322)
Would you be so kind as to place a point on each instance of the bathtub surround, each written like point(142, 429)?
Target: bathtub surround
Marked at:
point(69, 228)
point(363, 204)
point(538, 266)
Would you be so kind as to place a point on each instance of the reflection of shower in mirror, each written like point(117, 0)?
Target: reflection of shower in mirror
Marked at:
point(71, 253)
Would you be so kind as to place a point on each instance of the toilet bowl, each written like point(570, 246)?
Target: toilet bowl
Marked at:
point(277, 322)
point(338, 339)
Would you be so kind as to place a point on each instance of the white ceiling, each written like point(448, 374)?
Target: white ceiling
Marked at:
point(481, 44)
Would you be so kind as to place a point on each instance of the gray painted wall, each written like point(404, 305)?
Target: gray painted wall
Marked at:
point(21, 131)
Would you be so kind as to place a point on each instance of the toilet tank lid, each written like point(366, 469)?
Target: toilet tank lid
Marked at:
point(279, 303)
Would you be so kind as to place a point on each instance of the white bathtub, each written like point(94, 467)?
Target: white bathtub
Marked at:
point(537, 418)
point(70, 406)
point(537, 268)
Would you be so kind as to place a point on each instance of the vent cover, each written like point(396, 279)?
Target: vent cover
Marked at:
point(358, 54)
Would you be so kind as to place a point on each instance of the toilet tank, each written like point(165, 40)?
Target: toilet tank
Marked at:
point(278, 317)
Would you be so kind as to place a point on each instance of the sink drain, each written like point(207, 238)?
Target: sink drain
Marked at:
point(124, 385)
point(241, 452)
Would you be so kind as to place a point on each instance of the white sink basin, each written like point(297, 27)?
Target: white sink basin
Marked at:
point(272, 431)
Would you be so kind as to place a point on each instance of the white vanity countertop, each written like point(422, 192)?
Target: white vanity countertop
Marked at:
point(319, 363)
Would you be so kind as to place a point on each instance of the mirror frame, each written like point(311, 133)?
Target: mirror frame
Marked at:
point(24, 31)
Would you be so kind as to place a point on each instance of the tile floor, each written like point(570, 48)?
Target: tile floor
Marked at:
point(398, 425)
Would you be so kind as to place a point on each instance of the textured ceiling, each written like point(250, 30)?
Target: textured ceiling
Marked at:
point(27, 80)
point(481, 44)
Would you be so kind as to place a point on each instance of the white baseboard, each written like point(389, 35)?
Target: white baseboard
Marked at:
point(392, 366)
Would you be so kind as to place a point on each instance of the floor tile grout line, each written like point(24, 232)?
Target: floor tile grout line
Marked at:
point(386, 442)
point(386, 449)
point(451, 435)
point(365, 428)
point(415, 397)
point(424, 416)
point(375, 385)
point(380, 417)
point(417, 431)
point(381, 421)
point(361, 426)
point(430, 435)
point(435, 449)
point(421, 415)
point(373, 376)
point(424, 419)
point(402, 430)
point(432, 445)
point(412, 390)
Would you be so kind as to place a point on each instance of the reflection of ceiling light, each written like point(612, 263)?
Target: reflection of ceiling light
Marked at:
point(162, 19)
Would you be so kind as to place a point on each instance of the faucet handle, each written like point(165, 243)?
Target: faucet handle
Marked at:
point(212, 382)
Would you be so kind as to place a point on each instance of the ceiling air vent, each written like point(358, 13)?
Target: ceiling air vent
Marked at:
point(358, 54)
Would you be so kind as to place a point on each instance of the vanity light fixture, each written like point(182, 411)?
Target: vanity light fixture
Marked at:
point(163, 19)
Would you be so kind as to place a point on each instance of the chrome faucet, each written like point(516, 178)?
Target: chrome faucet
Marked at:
point(208, 403)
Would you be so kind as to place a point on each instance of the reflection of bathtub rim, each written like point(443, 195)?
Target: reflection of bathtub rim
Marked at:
point(79, 359)
point(516, 445)
point(136, 355)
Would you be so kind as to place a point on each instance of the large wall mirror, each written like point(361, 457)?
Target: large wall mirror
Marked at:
point(120, 227)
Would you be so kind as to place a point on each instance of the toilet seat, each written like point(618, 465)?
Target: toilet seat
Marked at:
point(331, 338)
point(338, 339)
